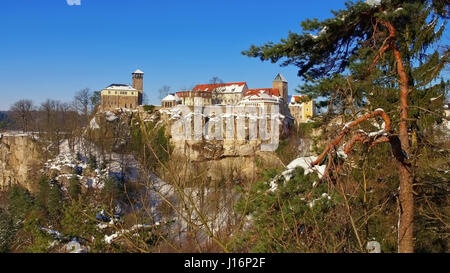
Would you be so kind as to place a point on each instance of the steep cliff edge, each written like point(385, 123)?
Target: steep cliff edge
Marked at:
point(20, 159)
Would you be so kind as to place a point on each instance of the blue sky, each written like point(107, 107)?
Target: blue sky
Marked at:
point(50, 49)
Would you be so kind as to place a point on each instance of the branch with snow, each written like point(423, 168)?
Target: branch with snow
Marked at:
point(371, 139)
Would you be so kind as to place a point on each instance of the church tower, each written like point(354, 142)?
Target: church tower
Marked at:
point(138, 84)
point(281, 84)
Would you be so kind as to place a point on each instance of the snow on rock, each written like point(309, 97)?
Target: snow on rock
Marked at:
point(110, 116)
point(74, 247)
point(93, 124)
point(373, 247)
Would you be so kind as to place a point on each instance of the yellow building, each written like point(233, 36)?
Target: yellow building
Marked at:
point(302, 110)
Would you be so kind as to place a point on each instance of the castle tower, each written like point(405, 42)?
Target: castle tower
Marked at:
point(281, 84)
point(138, 84)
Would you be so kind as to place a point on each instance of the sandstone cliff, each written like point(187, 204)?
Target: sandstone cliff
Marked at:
point(20, 159)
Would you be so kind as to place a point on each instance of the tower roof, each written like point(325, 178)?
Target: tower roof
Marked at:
point(280, 78)
point(138, 72)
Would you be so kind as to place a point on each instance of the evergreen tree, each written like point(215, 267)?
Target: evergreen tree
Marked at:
point(113, 189)
point(42, 193)
point(281, 218)
point(72, 220)
point(78, 222)
point(387, 44)
point(7, 231)
point(92, 162)
point(54, 201)
point(40, 240)
point(20, 202)
point(74, 187)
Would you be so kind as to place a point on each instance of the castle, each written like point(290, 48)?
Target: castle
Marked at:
point(237, 93)
point(234, 93)
point(123, 95)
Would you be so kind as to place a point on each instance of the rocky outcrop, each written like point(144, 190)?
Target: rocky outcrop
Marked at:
point(241, 168)
point(20, 161)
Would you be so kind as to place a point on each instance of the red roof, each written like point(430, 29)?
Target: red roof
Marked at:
point(268, 91)
point(297, 98)
point(212, 86)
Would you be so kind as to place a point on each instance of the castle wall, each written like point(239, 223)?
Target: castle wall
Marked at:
point(227, 98)
point(111, 102)
point(296, 112)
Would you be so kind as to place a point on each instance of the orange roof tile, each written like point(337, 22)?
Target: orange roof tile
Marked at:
point(268, 91)
point(212, 86)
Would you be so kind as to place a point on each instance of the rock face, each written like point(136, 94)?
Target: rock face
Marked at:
point(20, 159)
point(241, 168)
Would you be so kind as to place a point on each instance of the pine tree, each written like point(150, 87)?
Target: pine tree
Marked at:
point(74, 187)
point(20, 202)
point(40, 240)
point(42, 193)
point(72, 219)
point(54, 201)
point(92, 162)
point(7, 231)
point(78, 221)
point(392, 40)
point(113, 189)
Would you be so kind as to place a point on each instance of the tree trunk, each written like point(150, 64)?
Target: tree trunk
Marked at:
point(406, 197)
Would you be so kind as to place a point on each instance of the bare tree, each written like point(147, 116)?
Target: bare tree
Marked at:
point(215, 80)
point(21, 111)
point(145, 100)
point(164, 91)
point(82, 102)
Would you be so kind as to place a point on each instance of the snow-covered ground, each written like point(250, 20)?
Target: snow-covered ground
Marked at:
point(116, 164)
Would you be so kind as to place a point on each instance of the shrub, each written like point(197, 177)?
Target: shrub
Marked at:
point(149, 108)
